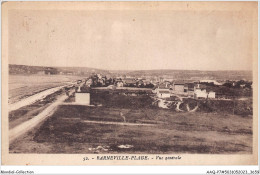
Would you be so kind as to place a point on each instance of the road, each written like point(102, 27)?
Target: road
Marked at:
point(109, 123)
point(118, 123)
point(30, 124)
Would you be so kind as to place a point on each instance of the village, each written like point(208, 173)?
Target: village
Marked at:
point(163, 88)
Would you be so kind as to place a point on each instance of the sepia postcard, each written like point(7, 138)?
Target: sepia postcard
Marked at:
point(129, 83)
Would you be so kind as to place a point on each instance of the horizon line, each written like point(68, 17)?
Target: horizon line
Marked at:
point(129, 69)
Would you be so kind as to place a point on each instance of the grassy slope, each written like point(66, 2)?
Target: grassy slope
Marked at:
point(65, 132)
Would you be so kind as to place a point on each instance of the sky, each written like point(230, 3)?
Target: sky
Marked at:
point(131, 39)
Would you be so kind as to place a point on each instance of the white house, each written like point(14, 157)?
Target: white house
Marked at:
point(119, 84)
point(198, 93)
point(179, 88)
point(212, 95)
point(82, 95)
point(163, 93)
point(155, 90)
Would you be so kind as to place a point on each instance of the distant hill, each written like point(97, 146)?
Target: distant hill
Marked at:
point(195, 74)
point(81, 70)
point(172, 74)
point(24, 69)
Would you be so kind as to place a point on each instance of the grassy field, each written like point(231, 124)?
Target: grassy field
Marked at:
point(68, 132)
point(114, 99)
point(134, 124)
point(21, 86)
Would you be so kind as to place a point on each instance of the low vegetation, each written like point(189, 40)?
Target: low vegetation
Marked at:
point(28, 112)
point(171, 132)
point(81, 129)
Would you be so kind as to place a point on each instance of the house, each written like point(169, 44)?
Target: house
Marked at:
point(212, 94)
point(154, 90)
point(242, 85)
point(163, 93)
point(163, 86)
point(130, 82)
point(168, 84)
point(119, 84)
point(199, 93)
point(99, 76)
point(199, 86)
point(89, 82)
point(140, 83)
point(190, 93)
point(82, 95)
point(160, 87)
point(202, 93)
point(146, 82)
point(178, 87)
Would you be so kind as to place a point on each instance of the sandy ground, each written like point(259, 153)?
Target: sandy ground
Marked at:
point(23, 86)
point(34, 110)
point(32, 99)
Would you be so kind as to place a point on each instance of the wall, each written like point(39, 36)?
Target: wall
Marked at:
point(212, 95)
point(83, 98)
point(163, 95)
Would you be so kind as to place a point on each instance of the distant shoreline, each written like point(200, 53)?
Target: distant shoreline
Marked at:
point(130, 70)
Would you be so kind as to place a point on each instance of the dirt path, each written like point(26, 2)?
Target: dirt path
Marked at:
point(162, 104)
point(30, 124)
point(181, 99)
point(188, 107)
point(193, 110)
point(117, 123)
point(32, 99)
point(178, 106)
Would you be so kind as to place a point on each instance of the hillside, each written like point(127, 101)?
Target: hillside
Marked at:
point(195, 74)
point(24, 69)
